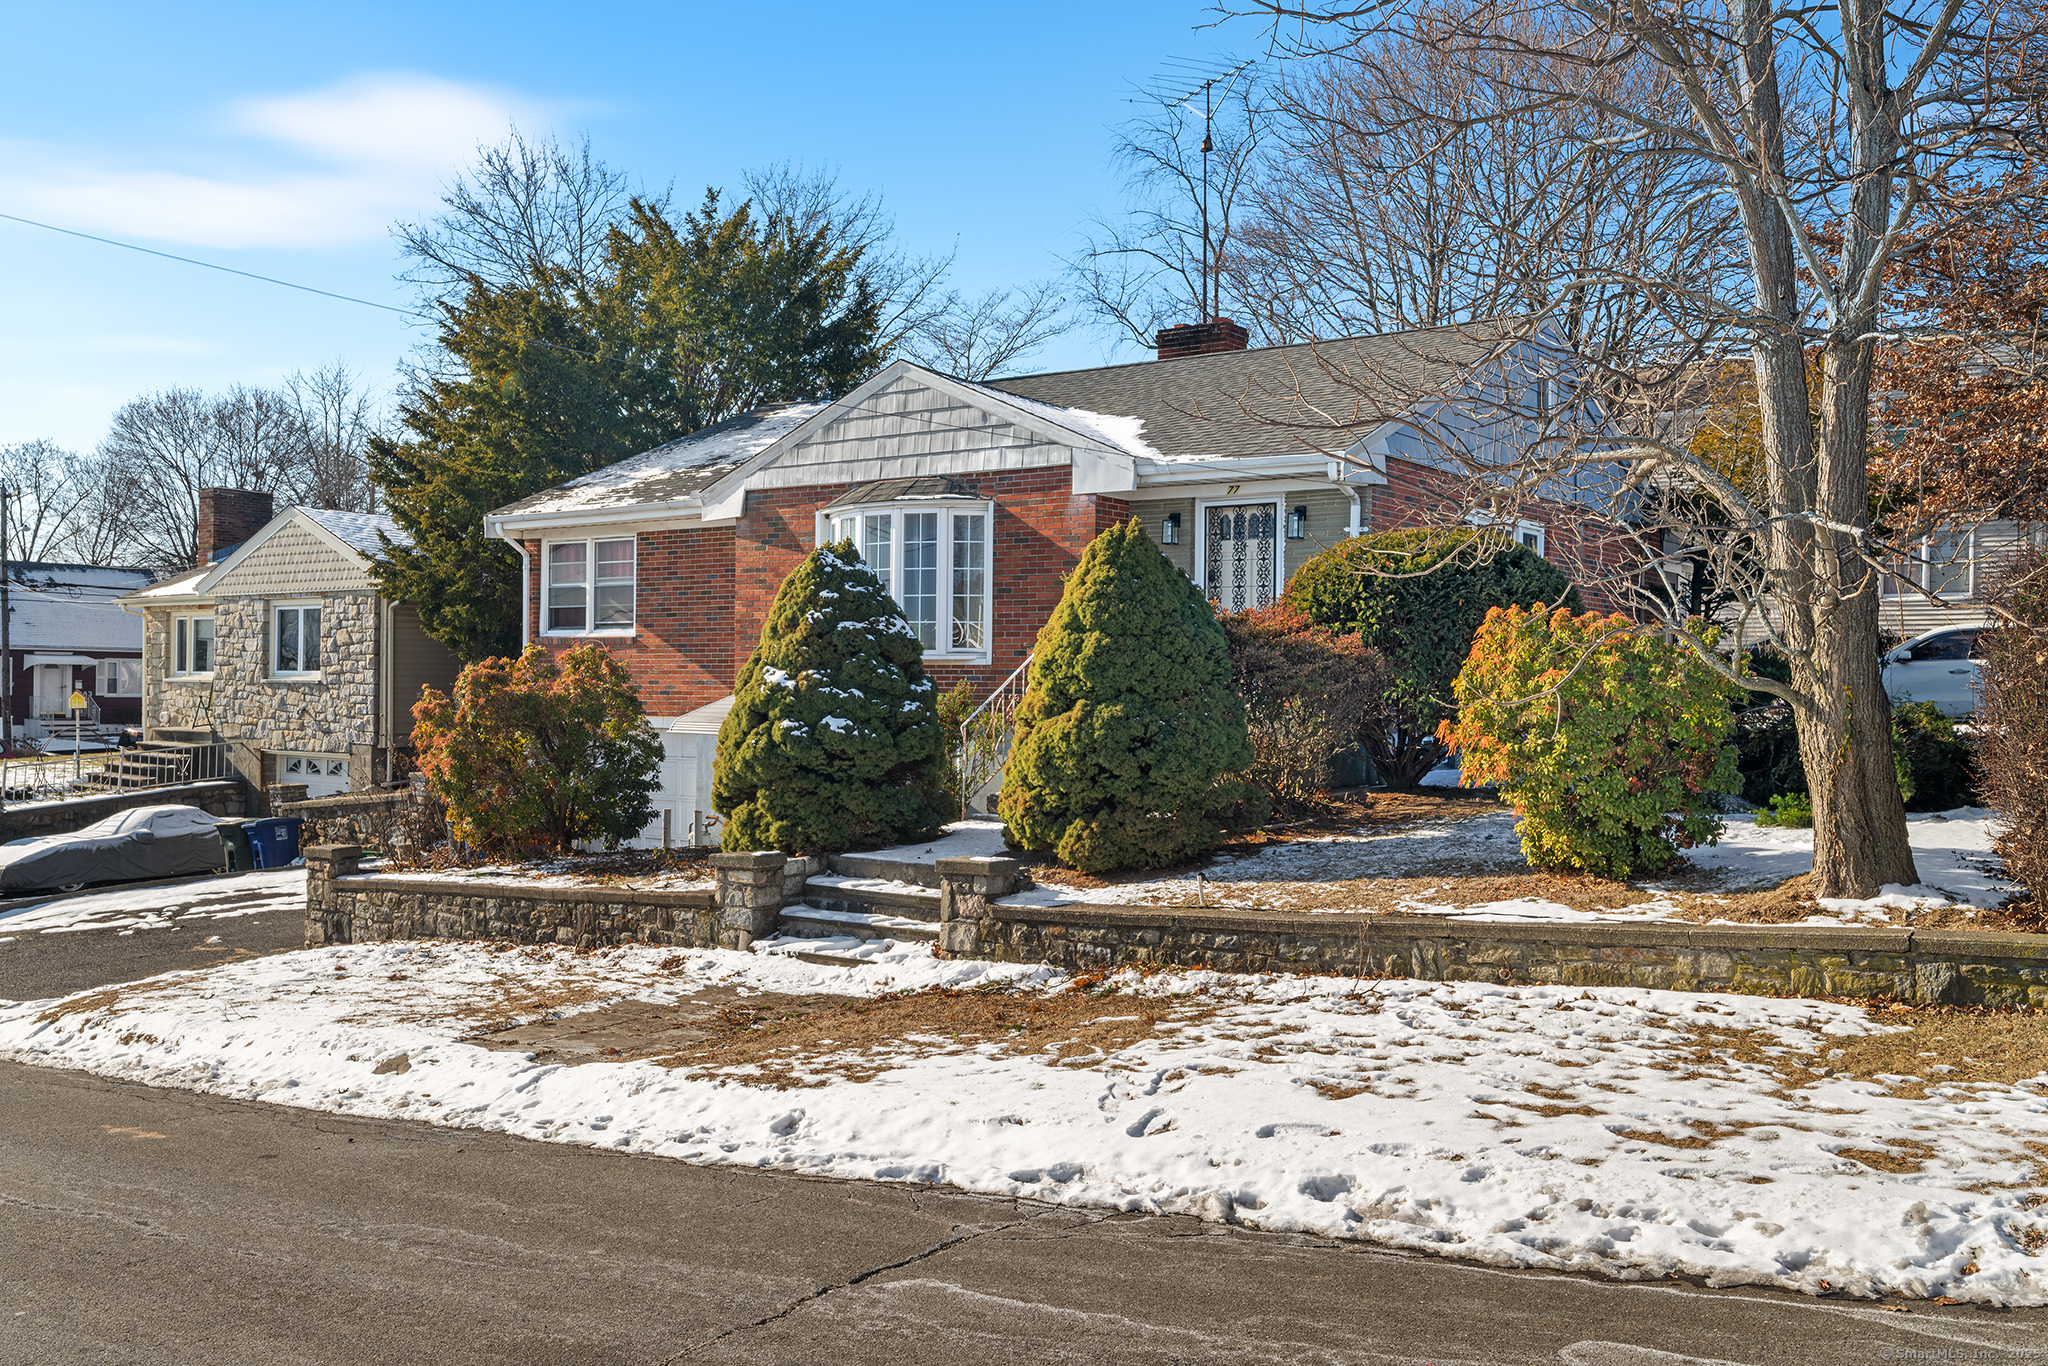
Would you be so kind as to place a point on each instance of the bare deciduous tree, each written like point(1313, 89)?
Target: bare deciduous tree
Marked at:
point(1830, 132)
point(982, 338)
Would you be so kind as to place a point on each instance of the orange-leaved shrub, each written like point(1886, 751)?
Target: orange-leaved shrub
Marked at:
point(540, 749)
point(1611, 744)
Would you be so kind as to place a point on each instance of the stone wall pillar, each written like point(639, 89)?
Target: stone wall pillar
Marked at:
point(326, 922)
point(277, 794)
point(966, 888)
point(749, 896)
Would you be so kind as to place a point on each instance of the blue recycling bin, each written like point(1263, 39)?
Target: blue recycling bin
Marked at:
point(274, 840)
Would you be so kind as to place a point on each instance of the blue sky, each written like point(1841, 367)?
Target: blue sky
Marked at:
point(284, 140)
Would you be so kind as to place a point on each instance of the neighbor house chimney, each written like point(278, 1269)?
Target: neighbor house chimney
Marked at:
point(1199, 339)
point(228, 517)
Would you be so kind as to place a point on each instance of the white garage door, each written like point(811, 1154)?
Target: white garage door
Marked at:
point(325, 775)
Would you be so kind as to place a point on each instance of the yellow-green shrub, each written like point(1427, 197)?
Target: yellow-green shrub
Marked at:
point(1610, 743)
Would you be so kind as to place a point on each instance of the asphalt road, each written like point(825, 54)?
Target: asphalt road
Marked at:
point(34, 966)
point(140, 1225)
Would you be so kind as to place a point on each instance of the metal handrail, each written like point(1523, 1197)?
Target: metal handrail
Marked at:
point(985, 734)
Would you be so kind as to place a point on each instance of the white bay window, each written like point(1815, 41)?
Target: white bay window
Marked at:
point(934, 560)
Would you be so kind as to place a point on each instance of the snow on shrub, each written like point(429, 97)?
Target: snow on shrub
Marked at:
point(1129, 725)
point(833, 741)
point(1611, 744)
point(541, 748)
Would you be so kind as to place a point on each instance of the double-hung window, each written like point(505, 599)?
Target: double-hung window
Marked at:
point(934, 560)
point(120, 678)
point(589, 586)
point(192, 645)
point(295, 640)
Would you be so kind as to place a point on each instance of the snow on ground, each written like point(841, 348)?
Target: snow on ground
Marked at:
point(978, 838)
point(1542, 1127)
point(1952, 851)
point(158, 908)
point(690, 877)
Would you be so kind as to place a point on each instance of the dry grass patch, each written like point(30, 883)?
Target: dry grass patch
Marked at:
point(1975, 1045)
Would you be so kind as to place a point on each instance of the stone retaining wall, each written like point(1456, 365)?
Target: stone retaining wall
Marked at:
point(371, 820)
point(1913, 965)
point(344, 906)
point(219, 797)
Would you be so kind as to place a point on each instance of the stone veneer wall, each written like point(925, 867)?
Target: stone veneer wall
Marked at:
point(221, 798)
point(1936, 968)
point(257, 714)
point(1967, 968)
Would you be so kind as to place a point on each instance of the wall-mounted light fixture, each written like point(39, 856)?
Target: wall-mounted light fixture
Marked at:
point(1169, 529)
point(1297, 523)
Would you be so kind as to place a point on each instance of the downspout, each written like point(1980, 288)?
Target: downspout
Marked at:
point(525, 587)
point(1357, 527)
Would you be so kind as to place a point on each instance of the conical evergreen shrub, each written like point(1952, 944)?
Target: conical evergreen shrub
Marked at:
point(833, 739)
point(1130, 722)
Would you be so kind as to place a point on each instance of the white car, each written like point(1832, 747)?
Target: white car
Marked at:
point(1939, 667)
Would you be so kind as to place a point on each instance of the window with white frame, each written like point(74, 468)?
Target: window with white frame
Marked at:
point(934, 560)
point(120, 678)
point(1940, 564)
point(192, 645)
point(590, 586)
point(1522, 531)
point(295, 640)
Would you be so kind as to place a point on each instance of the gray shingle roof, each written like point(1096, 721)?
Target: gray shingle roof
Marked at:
point(1308, 395)
point(676, 470)
point(358, 530)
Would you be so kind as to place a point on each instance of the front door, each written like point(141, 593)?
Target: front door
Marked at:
point(1241, 542)
point(53, 689)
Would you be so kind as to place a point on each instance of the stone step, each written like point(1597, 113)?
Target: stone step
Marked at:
point(868, 895)
point(816, 922)
point(884, 869)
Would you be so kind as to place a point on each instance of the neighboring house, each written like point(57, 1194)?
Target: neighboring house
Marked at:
point(282, 647)
point(67, 633)
point(972, 501)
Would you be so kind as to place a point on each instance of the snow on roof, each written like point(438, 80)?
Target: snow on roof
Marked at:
point(358, 530)
point(676, 470)
point(1116, 431)
point(175, 586)
point(72, 607)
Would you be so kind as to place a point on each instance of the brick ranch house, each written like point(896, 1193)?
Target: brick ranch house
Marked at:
point(973, 500)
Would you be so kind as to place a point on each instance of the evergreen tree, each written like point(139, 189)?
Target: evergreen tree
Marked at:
point(833, 740)
point(1130, 722)
point(1418, 597)
point(548, 379)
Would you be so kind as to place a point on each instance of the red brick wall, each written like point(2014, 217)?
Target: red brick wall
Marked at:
point(1418, 495)
point(703, 594)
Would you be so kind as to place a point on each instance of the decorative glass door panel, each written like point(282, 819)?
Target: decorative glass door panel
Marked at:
point(1242, 542)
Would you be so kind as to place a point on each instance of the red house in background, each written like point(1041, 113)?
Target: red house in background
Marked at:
point(66, 633)
point(973, 500)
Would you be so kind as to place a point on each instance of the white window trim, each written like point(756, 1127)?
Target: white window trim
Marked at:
point(171, 645)
point(117, 666)
point(590, 626)
point(1275, 501)
point(274, 612)
point(972, 507)
point(1921, 568)
point(1522, 527)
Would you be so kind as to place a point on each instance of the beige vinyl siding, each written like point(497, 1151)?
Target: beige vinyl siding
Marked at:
point(417, 660)
point(1329, 513)
point(295, 562)
point(1153, 512)
point(1910, 615)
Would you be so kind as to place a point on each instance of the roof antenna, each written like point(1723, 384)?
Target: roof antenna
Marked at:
point(1207, 77)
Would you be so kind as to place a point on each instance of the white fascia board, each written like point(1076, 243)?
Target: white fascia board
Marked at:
point(1100, 471)
point(679, 510)
point(1233, 469)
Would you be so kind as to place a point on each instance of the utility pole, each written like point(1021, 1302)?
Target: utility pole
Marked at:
point(6, 655)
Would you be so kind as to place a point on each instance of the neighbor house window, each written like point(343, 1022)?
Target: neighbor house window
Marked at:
point(1940, 564)
point(590, 585)
point(120, 678)
point(1523, 532)
point(192, 645)
point(295, 640)
point(934, 560)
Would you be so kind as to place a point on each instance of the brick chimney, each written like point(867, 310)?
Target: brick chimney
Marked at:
point(1199, 339)
point(227, 517)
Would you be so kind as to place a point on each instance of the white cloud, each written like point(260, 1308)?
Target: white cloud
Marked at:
point(320, 168)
